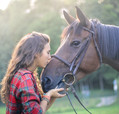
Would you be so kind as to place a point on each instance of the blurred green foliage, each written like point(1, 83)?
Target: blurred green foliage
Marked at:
point(44, 16)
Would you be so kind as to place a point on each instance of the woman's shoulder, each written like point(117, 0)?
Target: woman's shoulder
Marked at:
point(23, 74)
point(24, 71)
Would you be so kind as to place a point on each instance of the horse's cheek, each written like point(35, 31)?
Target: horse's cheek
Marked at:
point(90, 64)
point(91, 60)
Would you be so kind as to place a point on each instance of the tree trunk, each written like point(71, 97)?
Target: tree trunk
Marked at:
point(101, 82)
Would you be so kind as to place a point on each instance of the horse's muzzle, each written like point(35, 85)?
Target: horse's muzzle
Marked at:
point(65, 82)
point(46, 84)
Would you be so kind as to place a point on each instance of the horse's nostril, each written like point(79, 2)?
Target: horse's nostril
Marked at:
point(47, 81)
point(46, 84)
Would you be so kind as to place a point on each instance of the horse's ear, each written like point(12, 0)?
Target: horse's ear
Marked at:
point(81, 17)
point(69, 19)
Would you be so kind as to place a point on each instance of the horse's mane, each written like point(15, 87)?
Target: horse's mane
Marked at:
point(108, 39)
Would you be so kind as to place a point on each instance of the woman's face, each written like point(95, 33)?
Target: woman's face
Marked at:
point(43, 58)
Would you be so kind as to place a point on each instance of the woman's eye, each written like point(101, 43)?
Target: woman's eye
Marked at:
point(75, 43)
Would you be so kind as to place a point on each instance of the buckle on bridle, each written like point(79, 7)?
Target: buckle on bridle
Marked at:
point(69, 79)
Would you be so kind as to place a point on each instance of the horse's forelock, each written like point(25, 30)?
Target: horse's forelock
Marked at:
point(75, 25)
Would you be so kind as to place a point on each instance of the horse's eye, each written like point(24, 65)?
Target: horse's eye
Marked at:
point(75, 43)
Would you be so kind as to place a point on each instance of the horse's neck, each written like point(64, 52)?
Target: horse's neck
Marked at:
point(108, 41)
point(113, 63)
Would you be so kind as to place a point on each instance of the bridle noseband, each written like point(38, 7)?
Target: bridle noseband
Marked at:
point(81, 53)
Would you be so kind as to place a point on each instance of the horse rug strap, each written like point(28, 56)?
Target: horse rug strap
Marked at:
point(76, 96)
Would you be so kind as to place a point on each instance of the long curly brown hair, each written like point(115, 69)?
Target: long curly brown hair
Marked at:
point(22, 57)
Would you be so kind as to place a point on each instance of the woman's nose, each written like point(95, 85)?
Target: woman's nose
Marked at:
point(49, 58)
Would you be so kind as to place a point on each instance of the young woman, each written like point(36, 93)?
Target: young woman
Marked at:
point(21, 90)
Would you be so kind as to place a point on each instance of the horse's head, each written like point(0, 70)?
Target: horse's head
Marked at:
point(76, 55)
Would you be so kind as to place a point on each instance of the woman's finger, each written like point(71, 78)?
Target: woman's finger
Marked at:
point(60, 89)
point(61, 95)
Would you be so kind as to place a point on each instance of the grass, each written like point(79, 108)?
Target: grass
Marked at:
point(62, 106)
point(112, 109)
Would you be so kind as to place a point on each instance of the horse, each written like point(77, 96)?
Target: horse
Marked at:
point(85, 45)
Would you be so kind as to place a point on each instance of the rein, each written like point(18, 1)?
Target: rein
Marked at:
point(73, 68)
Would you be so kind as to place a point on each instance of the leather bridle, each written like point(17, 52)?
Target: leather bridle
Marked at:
point(81, 53)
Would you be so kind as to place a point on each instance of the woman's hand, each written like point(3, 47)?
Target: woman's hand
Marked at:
point(55, 93)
